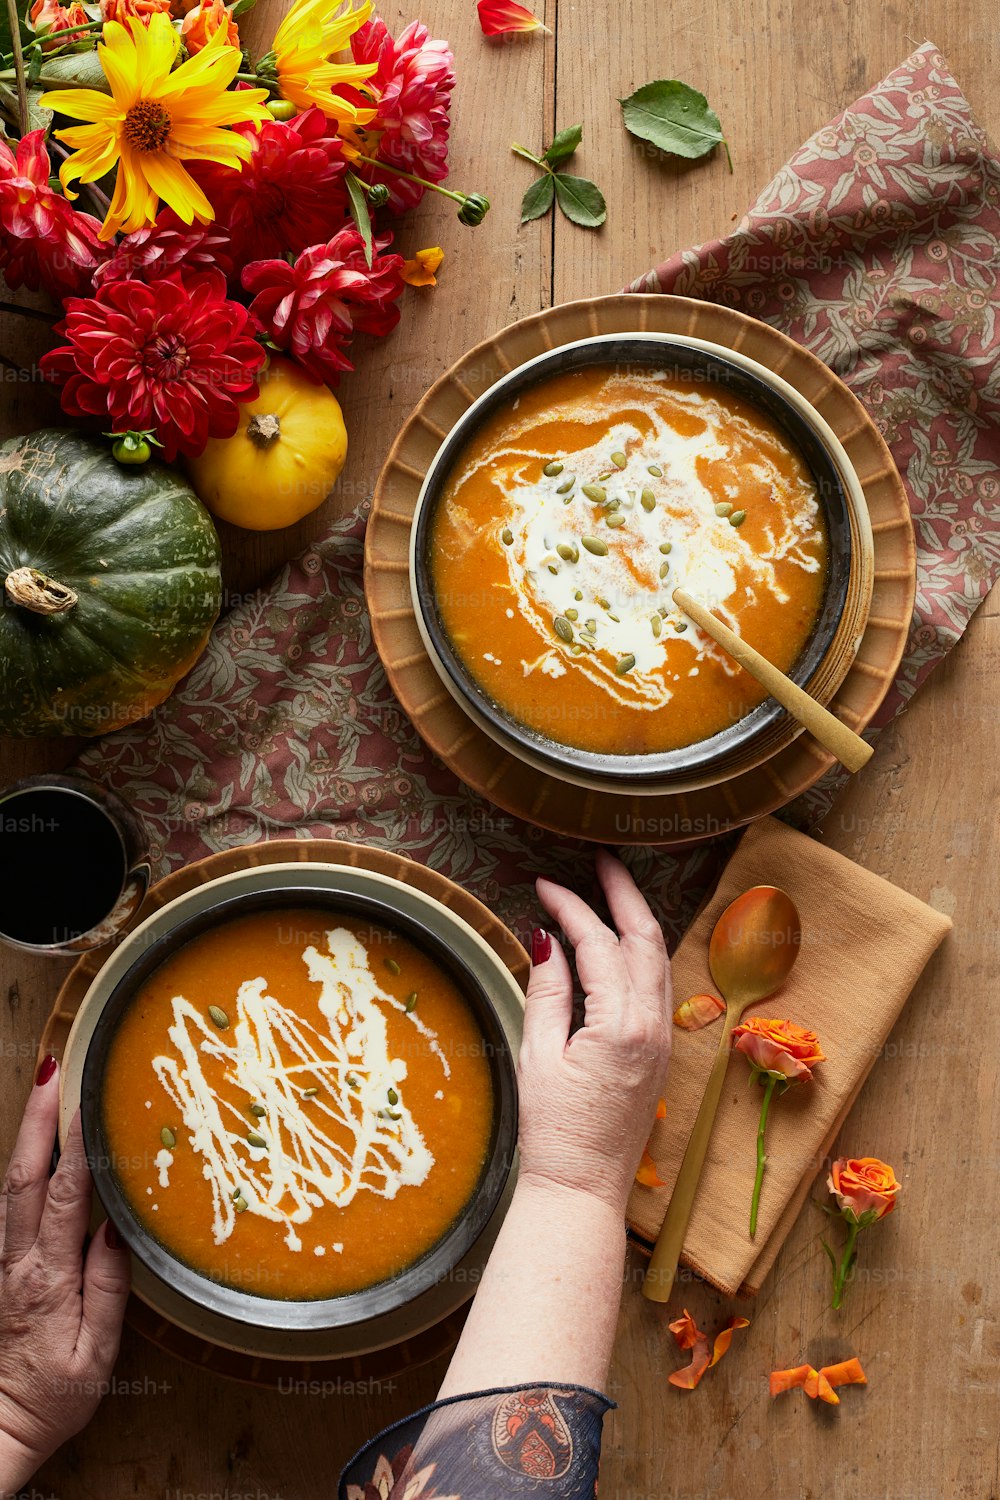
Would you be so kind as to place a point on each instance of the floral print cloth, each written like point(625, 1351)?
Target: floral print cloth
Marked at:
point(523, 1442)
point(876, 246)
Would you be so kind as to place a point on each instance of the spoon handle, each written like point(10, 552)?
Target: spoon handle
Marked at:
point(659, 1279)
point(834, 735)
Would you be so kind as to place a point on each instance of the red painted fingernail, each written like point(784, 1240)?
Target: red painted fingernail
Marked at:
point(112, 1236)
point(46, 1070)
point(541, 946)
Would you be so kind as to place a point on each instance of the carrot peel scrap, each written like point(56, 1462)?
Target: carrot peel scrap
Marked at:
point(646, 1174)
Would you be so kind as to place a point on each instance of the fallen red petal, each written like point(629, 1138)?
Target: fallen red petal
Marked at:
point(690, 1336)
point(497, 17)
point(818, 1384)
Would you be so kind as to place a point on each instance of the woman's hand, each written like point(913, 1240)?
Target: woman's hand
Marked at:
point(60, 1311)
point(587, 1101)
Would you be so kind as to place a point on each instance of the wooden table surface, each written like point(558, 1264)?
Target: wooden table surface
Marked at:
point(923, 813)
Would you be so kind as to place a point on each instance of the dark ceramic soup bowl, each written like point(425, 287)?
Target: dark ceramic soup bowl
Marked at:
point(843, 508)
point(480, 988)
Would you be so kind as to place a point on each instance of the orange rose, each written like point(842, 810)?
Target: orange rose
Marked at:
point(778, 1047)
point(203, 21)
point(863, 1185)
point(121, 10)
point(49, 16)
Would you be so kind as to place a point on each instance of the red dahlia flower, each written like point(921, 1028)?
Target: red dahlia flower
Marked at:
point(167, 246)
point(44, 241)
point(289, 194)
point(412, 88)
point(313, 308)
point(173, 356)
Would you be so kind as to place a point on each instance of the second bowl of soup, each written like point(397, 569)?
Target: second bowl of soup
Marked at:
point(568, 503)
point(299, 1104)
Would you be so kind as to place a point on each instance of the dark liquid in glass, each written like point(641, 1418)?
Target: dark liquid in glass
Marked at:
point(62, 866)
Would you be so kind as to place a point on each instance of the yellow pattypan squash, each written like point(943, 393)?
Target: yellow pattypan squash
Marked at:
point(283, 459)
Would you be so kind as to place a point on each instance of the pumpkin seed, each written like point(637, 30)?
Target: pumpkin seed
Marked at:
point(594, 545)
point(310, 1093)
point(615, 519)
point(624, 664)
point(737, 518)
point(506, 536)
point(562, 628)
point(655, 470)
point(553, 570)
point(664, 611)
point(619, 460)
point(602, 602)
point(240, 1204)
point(168, 1138)
point(253, 1139)
point(648, 500)
point(236, 1193)
point(569, 552)
point(612, 504)
point(411, 1001)
point(617, 618)
point(392, 966)
point(723, 508)
point(656, 623)
point(666, 548)
point(352, 1082)
point(664, 569)
point(389, 1114)
point(578, 595)
point(572, 614)
point(392, 1096)
point(258, 1110)
point(219, 1017)
point(552, 469)
point(591, 625)
point(566, 485)
point(595, 492)
point(681, 626)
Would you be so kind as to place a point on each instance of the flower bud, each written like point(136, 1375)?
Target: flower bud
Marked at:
point(474, 209)
point(378, 195)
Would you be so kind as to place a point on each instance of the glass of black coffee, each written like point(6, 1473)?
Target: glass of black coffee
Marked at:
point(74, 865)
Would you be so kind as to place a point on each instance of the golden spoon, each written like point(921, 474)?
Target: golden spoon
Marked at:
point(849, 748)
point(753, 947)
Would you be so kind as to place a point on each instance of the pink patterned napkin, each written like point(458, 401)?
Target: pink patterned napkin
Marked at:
point(876, 247)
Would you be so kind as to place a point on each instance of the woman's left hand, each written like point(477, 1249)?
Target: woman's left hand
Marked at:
point(61, 1311)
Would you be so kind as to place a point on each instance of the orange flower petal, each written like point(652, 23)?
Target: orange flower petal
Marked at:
point(690, 1336)
point(421, 270)
point(646, 1173)
point(789, 1380)
point(699, 1011)
point(661, 1109)
point(818, 1384)
point(724, 1338)
point(497, 17)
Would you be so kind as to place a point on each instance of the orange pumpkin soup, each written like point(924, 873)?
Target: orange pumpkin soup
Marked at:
point(298, 1103)
point(570, 518)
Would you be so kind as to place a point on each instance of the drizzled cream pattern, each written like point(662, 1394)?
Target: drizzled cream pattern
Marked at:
point(355, 1134)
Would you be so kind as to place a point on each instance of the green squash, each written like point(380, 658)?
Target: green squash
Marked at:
point(111, 585)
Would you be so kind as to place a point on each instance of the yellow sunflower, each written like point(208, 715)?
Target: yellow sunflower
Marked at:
point(303, 49)
point(154, 120)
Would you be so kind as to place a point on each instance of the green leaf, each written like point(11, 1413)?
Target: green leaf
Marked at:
point(564, 145)
point(75, 70)
point(38, 118)
point(675, 118)
point(359, 213)
point(241, 7)
point(580, 200)
point(538, 199)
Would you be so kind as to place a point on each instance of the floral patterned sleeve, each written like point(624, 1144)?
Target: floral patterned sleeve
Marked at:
point(537, 1441)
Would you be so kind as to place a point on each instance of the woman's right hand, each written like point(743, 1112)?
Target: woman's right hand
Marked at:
point(588, 1101)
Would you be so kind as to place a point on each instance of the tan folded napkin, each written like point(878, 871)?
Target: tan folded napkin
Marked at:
point(864, 944)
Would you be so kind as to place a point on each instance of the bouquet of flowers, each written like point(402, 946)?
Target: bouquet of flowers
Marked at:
point(191, 209)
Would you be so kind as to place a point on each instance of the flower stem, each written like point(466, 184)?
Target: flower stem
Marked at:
point(843, 1270)
point(761, 1158)
point(386, 166)
point(17, 58)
